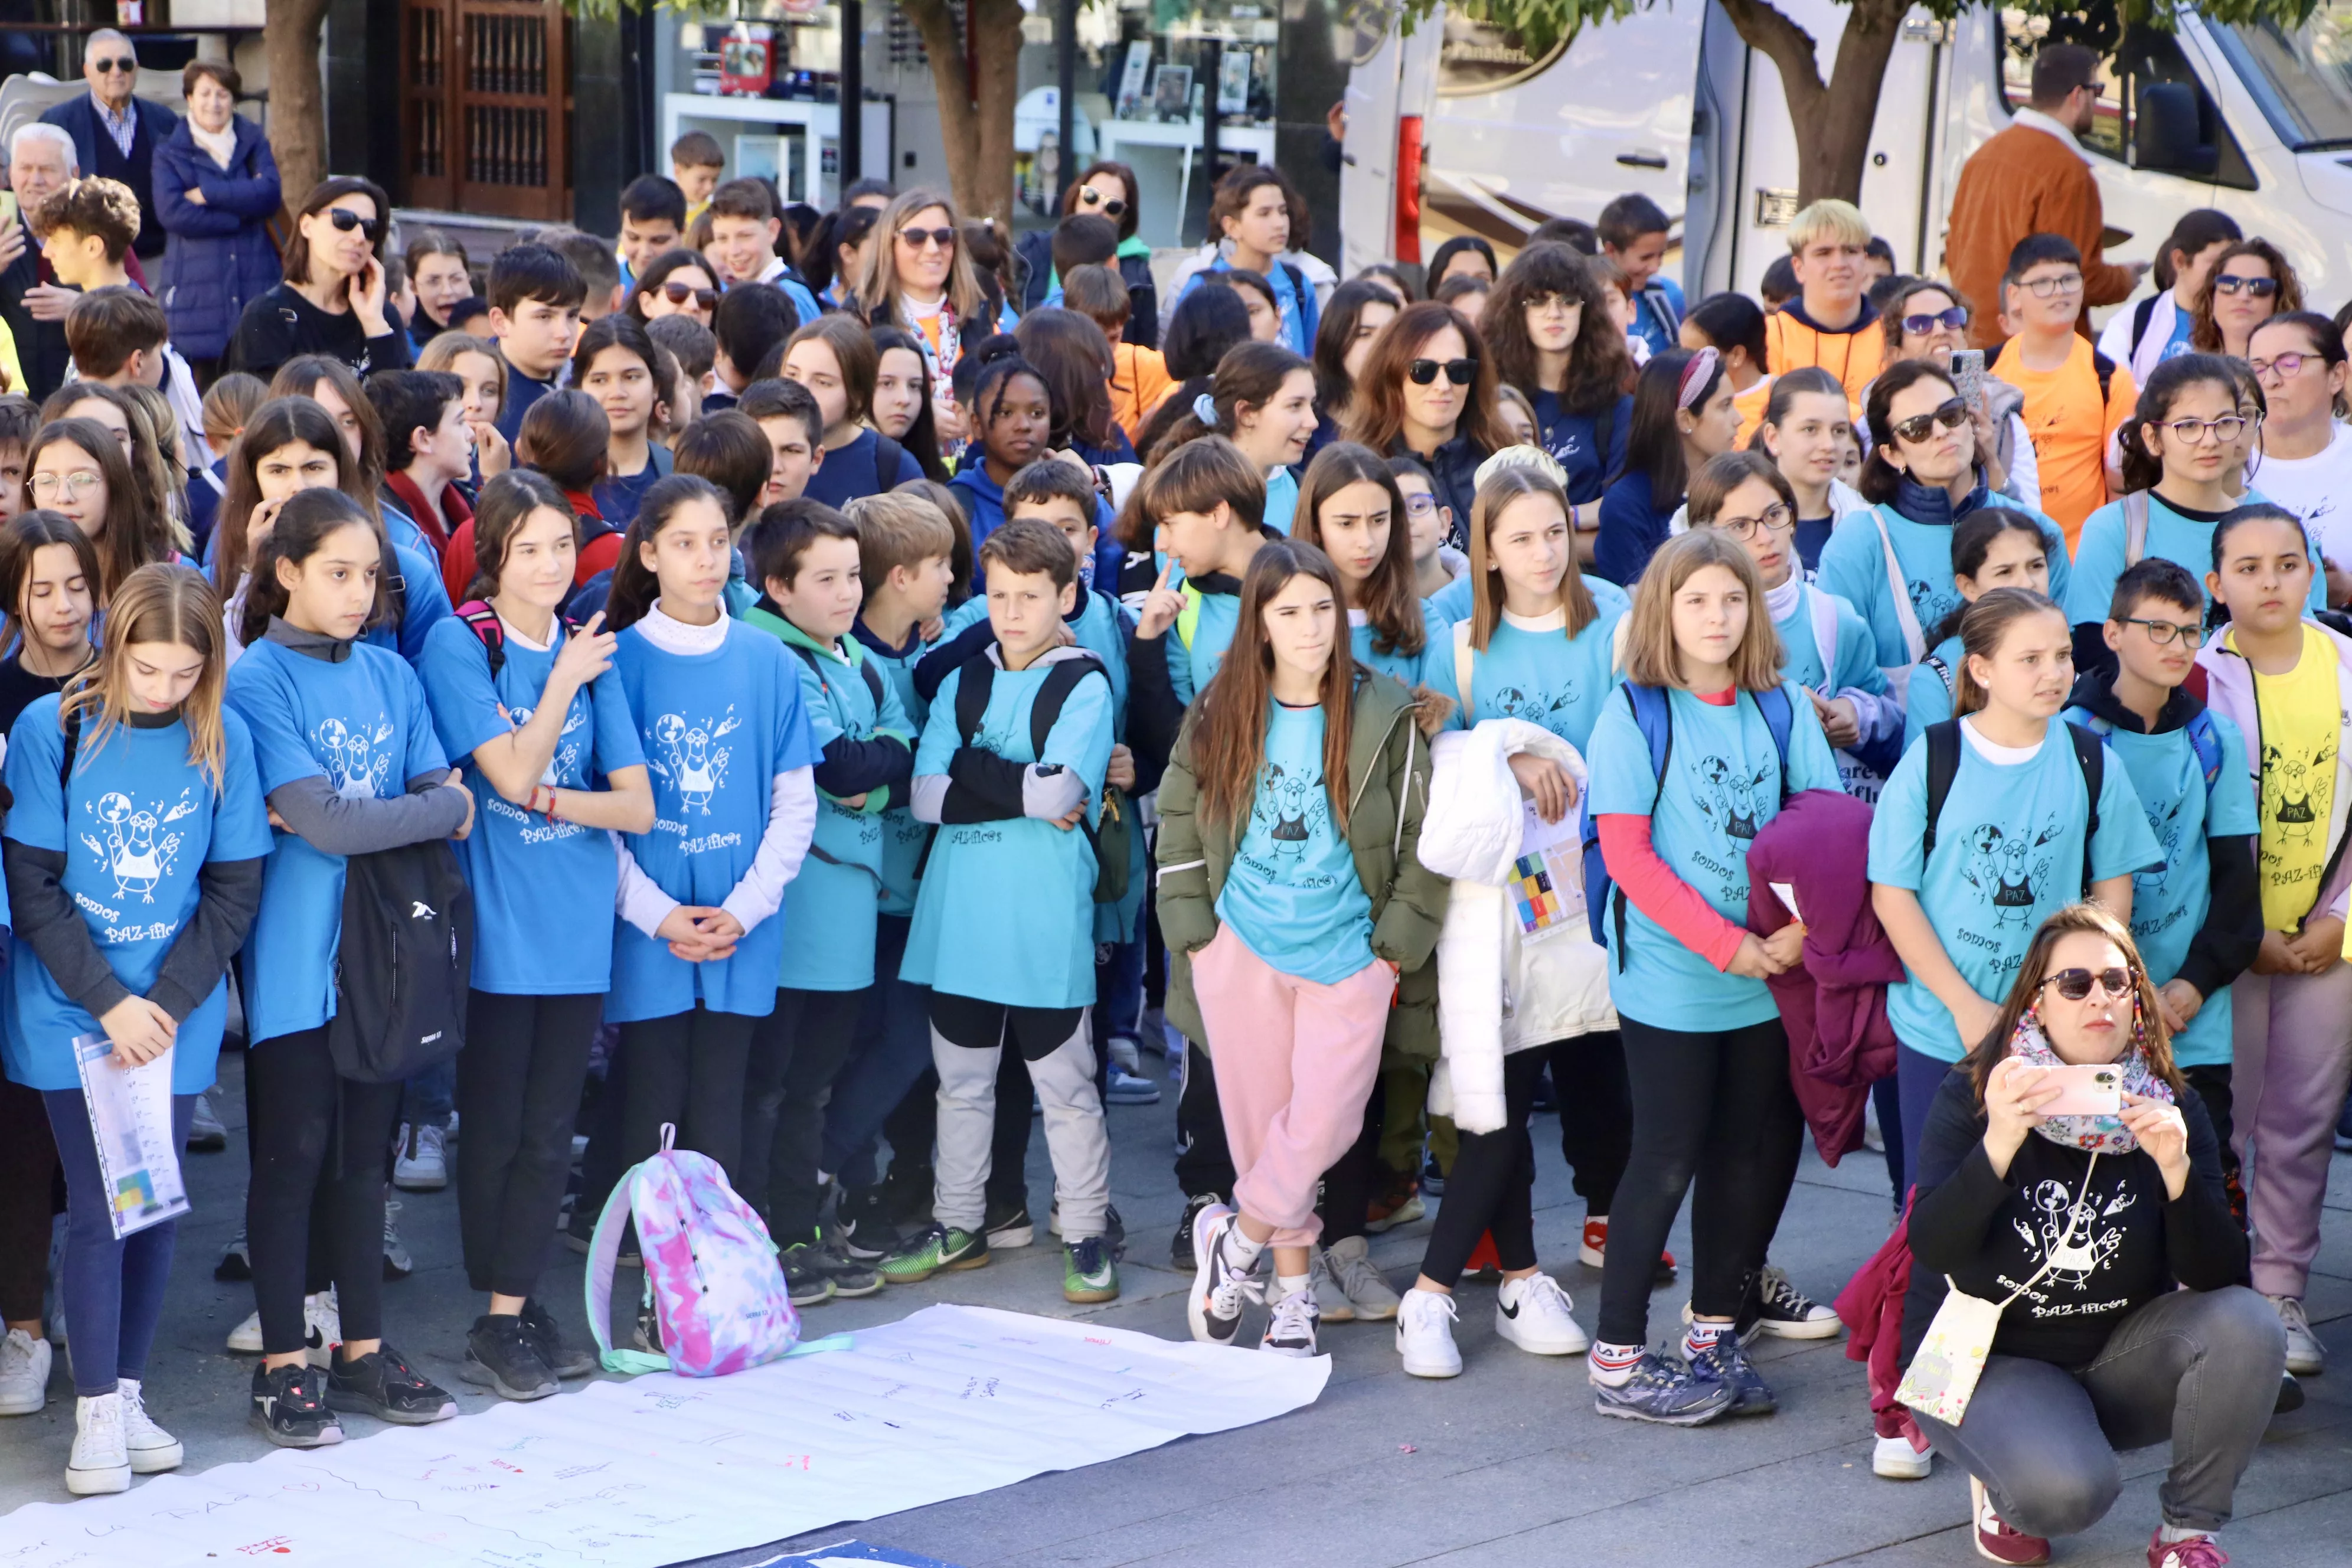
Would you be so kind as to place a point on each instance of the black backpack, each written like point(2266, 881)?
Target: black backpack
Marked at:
point(1944, 744)
point(403, 962)
point(1110, 842)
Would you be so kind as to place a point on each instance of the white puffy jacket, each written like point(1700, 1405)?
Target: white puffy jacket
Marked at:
point(1496, 994)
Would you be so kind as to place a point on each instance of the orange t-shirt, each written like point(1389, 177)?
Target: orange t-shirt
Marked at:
point(1791, 341)
point(1751, 404)
point(2070, 425)
point(1141, 381)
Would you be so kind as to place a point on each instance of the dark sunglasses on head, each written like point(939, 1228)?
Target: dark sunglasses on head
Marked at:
point(346, 220)
point(2075, 984)
point(123, 63)
point(1094, 198)
point(679, 293)
point(2253, 287)
point(916, 239)
point(1951, 417)
point(1920, 326)
point(1460, 372)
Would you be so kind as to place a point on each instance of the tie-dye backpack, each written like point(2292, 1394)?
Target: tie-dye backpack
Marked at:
point(713, 1282)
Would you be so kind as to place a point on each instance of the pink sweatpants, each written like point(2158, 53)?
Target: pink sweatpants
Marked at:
point(2291, 1060)
point(1294, 1062)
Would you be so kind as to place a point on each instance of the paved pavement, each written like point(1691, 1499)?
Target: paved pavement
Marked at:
point(1507, 1463)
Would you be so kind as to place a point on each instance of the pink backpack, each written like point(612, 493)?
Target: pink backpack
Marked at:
point(711, 1275)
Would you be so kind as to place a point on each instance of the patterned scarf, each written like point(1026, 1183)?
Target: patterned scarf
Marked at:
point(2093, 1134)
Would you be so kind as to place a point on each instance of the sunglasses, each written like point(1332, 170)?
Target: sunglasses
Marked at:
point(1094, 198)
point(2253, 288)
point(2075, 984)
point(1920, 326)
point(2161, 633)
point(123, 63)
point(1460, 372)
point(345, 220)
point(919, 238)
point(679, 293)
point(1951, 417)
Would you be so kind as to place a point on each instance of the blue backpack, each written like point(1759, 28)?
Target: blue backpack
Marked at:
point(1655, 715)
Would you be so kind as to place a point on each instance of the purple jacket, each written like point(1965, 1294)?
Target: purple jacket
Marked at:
point(1833, 1005)
point(221, 257)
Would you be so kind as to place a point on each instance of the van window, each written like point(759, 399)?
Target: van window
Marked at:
point(2153, 113)
point(1478, 55)
point(2301, 76)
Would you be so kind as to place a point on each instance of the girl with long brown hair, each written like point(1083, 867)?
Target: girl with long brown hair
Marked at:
point(1428, 391)
point(1292, 899)
point(1350, 509)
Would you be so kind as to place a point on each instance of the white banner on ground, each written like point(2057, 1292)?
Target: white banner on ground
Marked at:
point(661, 1468)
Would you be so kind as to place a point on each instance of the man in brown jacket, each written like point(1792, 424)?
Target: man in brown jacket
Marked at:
point(2031, 179)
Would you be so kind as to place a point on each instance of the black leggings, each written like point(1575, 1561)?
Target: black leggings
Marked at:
point(1596, 1114)
point(796, 1053)
point(28, 1176)
point(1204, 1162)
point(1715, 1107)
point(518, 1082)
point(315, 1133)
point(1492, 1184)
point(687, 1071)
point(1354, 1178)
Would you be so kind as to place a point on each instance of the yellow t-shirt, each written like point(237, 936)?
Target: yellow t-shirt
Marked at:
point(2070, 426)
point(2301, 719)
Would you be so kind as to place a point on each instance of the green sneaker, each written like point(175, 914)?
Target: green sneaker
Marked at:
point(1088, 1272)
point(931, 1249)
point(804, 1281)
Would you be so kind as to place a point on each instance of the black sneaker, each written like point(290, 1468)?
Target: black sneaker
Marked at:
point(501, 1354)
point(805, 1280)
point(290, 1405)
point(852, 1278)
point(1179, 1249)
point(383, 1386)
point(1008, 1225)
point(863, 1223)
point(907, 1189)
point(564, 1358)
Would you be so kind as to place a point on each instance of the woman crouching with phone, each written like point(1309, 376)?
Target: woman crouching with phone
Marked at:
point(2138, 1323)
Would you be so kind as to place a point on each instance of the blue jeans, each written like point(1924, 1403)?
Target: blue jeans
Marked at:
point(427, 1099)
point(112, 1290)
point(893, 1049)
point(1917, 1076)
point(1118, 987)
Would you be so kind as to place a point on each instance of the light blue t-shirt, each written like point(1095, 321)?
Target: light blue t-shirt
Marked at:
point(715, 729)
point(2170, 902)
point(1929, 698)
point(1723, 784)
point(1854, 567)
point(1281, 498)
point(1006, 912)
point(1800, 652)
point(1292, 894)
point(425, 605)
point(1542, 675)
point(1433, 666)
point(137, 826)
point(2009, 854)
point(1458, 598)
point(361, 724)
point(903, 838)
point(2099, 554)
point(526, 872)
point(1195, 650)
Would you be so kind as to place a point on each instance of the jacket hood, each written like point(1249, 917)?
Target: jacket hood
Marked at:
point(2095, 694)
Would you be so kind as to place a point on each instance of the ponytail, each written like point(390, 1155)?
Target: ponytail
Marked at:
point(635, 586)
point(1984, 626)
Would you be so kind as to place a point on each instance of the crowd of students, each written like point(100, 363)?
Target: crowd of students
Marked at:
point(1097, 650)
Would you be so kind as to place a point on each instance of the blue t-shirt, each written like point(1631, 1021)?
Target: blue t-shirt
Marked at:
point(1929, 697)
point(137, 826)
point(2170, 903)
point(2009, 854)
point(1725, 778)
point(1433, 666)
point(527, 873)
point(1455, 601)
point(426, 605)
point(1005, 913)
point(1199, 640)
point(716, 727)
point(903, 838)
point(1295, 305)
point(1281, 499)
point(399, 527)
point(850, 472)
point(1292, 894)
point(1634, 522)
point(1574, 442)
point(1854, 567)
point(2187, 541)
point(361, 724)
point(1544, 676)
point(618, 496)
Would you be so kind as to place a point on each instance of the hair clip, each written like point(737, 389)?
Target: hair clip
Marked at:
point(1204, 409)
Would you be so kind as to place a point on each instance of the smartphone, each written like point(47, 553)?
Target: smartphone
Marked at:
point(1968, 375)
point(2095, 1091)
point(7, 208)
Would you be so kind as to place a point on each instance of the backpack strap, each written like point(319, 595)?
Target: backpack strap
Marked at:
point(1905, 615)
point(887, 454)
point(483, 621)
point(1943, 673)
point(1781, 719)
point(978, 680)
point(1942, 765)
point(2205, 737)
point(1062, 678)
point(1823, 610)
point(2134, 527)
point(71, 720)
point(2105, 370)
point(2140, 314)
point(2091, 752)
point(865, 666)
point(603, 1257)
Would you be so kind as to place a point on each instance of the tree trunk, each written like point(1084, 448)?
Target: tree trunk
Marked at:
point(298, 104)
point(976, 97)
point(1833, 120)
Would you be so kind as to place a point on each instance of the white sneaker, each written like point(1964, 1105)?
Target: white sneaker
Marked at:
point(99, 1462)
point(1533, 1314)
point(1368, 1297)
point(151, 1449)
point(424, 1163)
point(1899, 1459)
point(24, 1373)
point(322, 1318)
point(1425, 1335)
point(2306, 1356)
point(1291, 1330)
point(1127, 1056)
point(1331, 1303)
point(397, 1263)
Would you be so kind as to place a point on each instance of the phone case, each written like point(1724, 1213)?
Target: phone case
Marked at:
point(2086, 1092)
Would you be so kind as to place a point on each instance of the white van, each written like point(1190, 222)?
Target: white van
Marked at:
point(1493, 132)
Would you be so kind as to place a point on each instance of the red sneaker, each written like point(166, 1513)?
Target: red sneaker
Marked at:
point(1996, 1541)
point(1484, 1258)
point(2196, 1552)
point(1595, 1249)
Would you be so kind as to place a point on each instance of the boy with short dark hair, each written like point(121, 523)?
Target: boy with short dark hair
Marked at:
point(789, 417)
point(696, 351)
point(118, 337)
point(2199, 920)
point(746, 224)
point(599, 269)
point(653, 217)
point(752, 320)
point(536, 295)
point(1003, 926)
point(1632, 231)
point(696, 163)
point(1081, 239)
point(806, 557)
point(429, 448)
point(2075, 397)
point(1877, 261)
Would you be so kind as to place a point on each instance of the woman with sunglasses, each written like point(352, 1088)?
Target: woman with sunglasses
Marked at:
point(333, 301)
point(1684, 414)
point(675, 283)
point(2305, 461)
point(1922, 477)
point(1106, 190)
point(1929, 319)
point(2139, 1328)
point(920, 280)
point(1428, 391)
point(2250, 283)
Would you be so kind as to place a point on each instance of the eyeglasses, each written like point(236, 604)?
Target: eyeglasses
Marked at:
point(128, 65)
point(1420, 506)
point(2161, 633)
point(1776, 517)
point(2190, 432)
point(2075, 984)
point(919, 238)
point(345, 221)
point(1920, 326)
point(69, 485)
point(2285, 365)
point(1951, 417)
point(2253, 287)
point(1460, 372)
point(1092, 197)
point(679, 293)
point(2045, 287)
